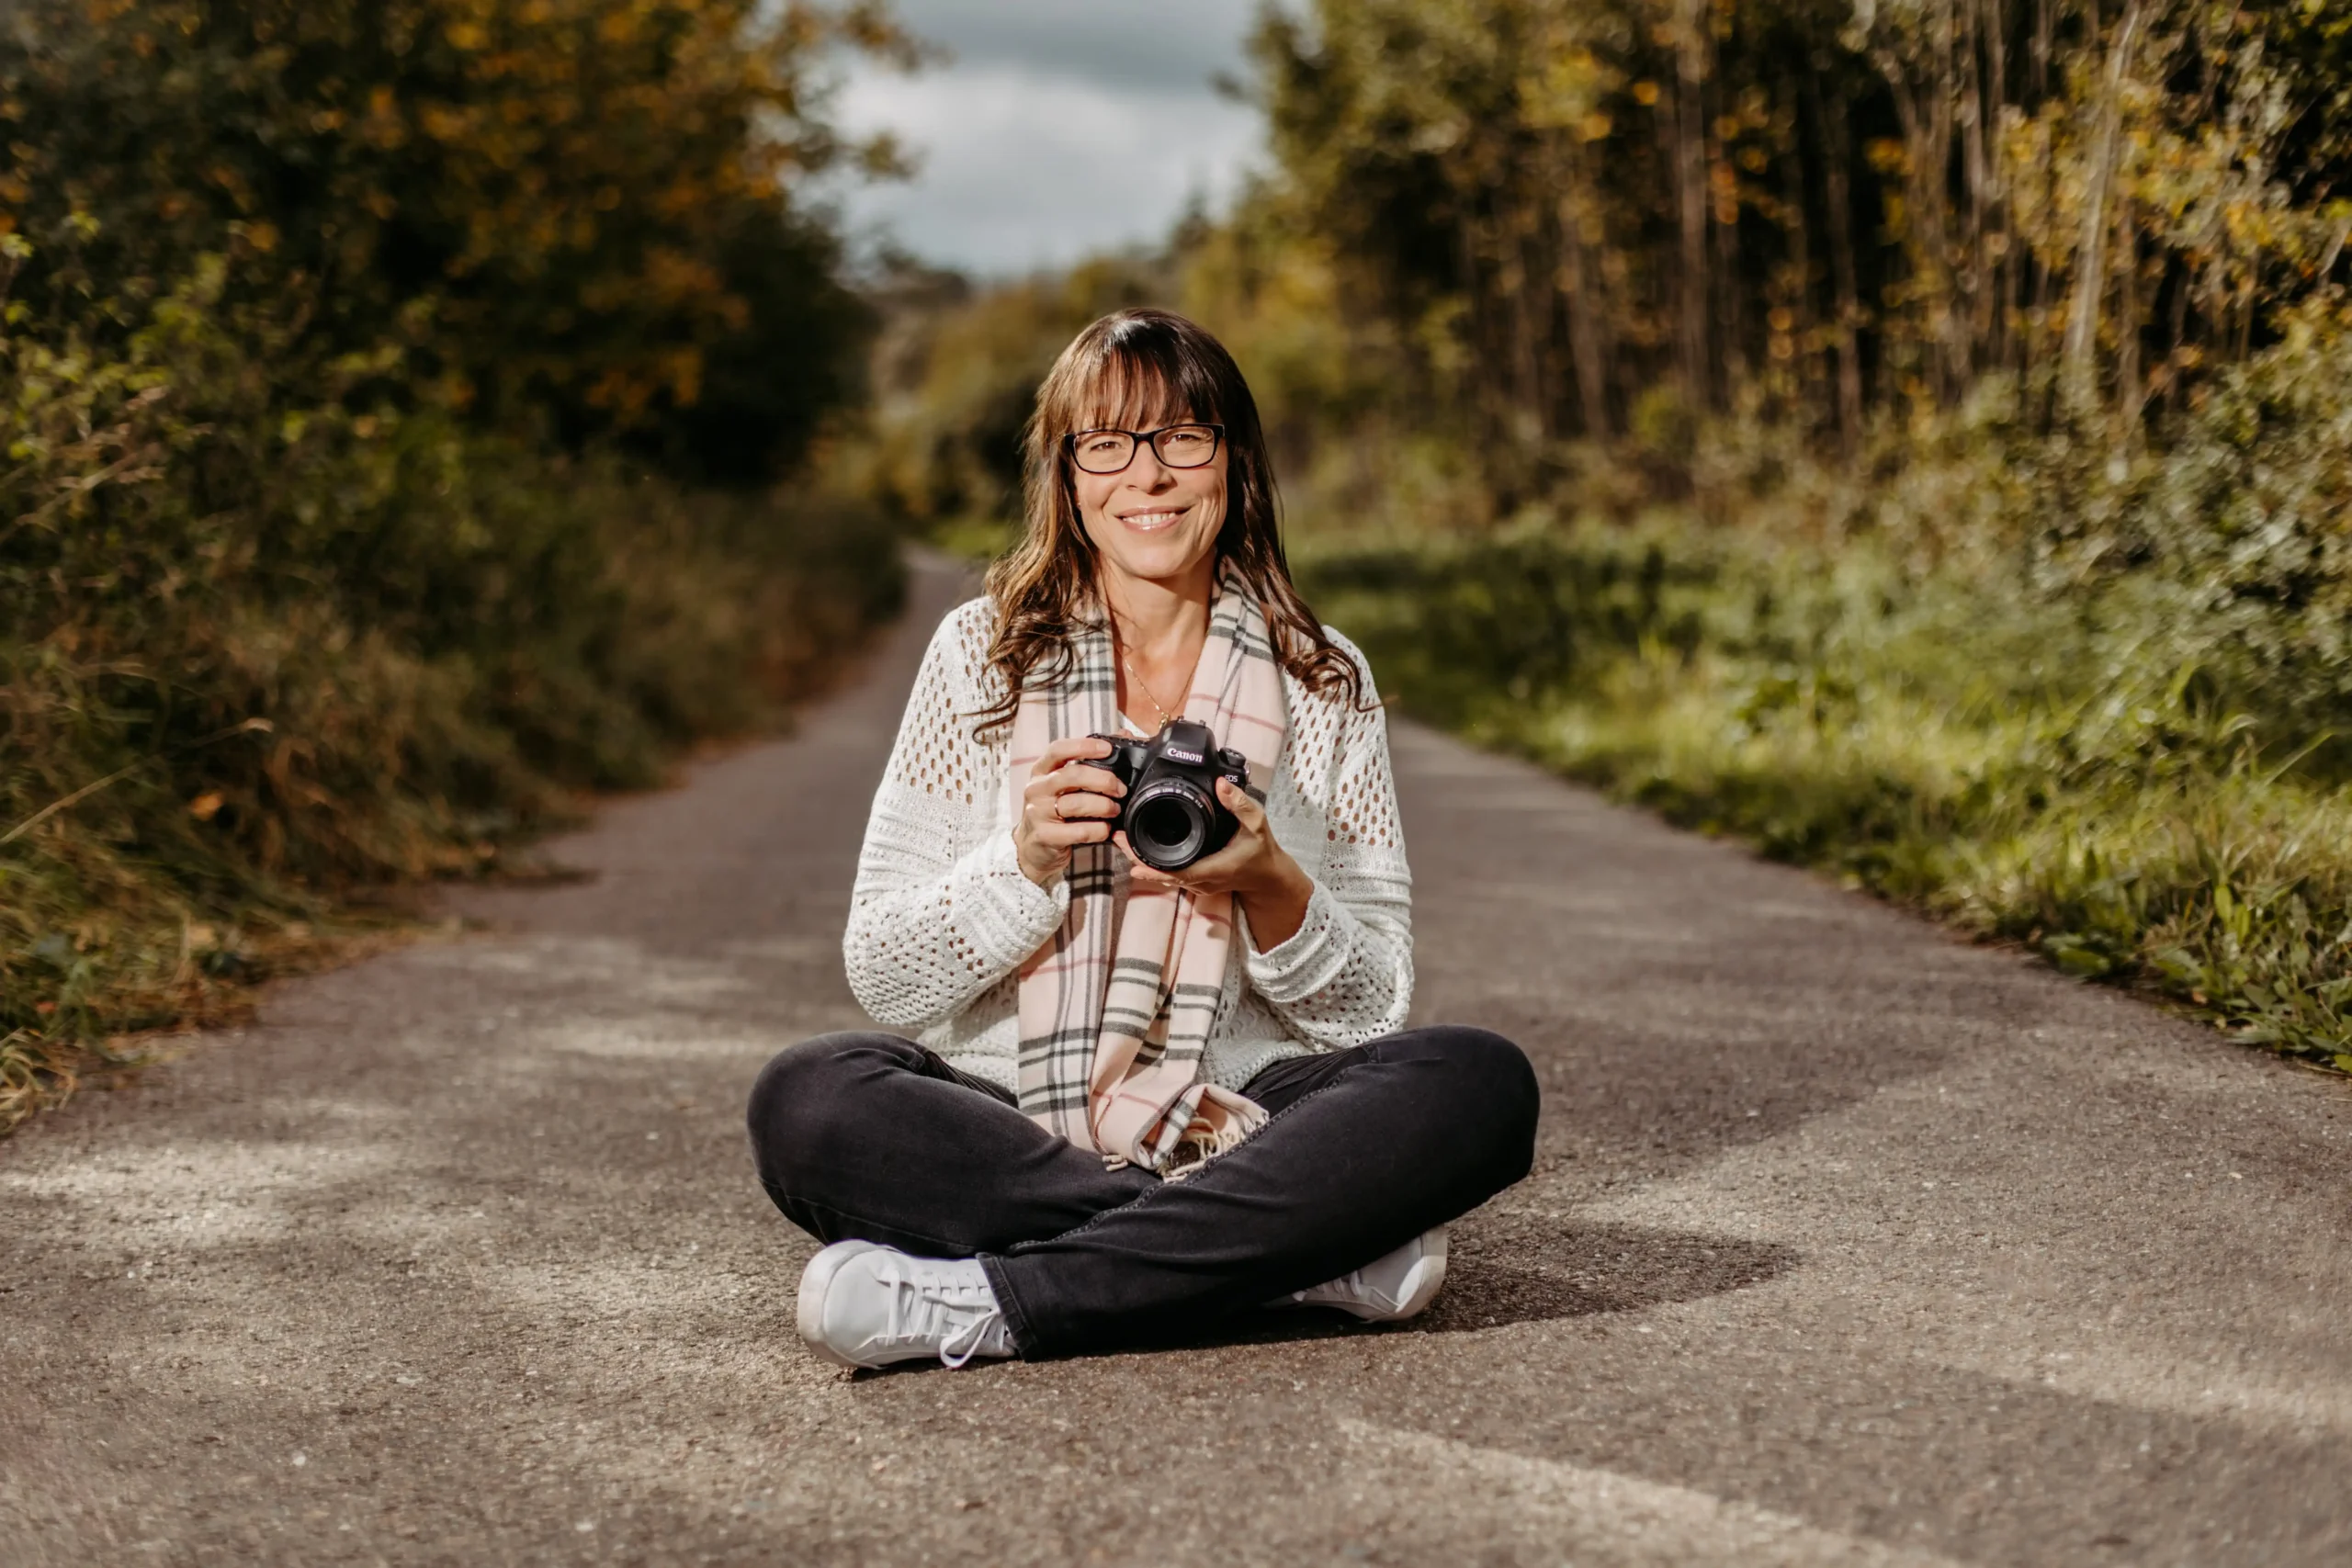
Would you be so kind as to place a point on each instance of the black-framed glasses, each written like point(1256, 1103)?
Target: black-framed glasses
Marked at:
point(1178, 446)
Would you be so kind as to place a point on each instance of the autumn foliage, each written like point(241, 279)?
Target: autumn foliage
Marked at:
point(390, 395)
point(1908, 435)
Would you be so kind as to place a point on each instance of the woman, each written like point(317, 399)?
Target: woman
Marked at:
point(1143, 1098)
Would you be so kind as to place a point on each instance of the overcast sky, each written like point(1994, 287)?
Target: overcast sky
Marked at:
point(1059, 128)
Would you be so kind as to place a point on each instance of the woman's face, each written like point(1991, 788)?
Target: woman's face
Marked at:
point(1152, 521)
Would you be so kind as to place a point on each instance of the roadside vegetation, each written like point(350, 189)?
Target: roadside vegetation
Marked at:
point(1911, 438)
point(406, 411)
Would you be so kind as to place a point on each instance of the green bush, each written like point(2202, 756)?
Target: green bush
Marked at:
point(354, 360)
point(2082, 702)
point(263, 644)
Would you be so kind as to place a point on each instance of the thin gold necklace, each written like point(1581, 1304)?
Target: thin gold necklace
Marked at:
point(1166, 719)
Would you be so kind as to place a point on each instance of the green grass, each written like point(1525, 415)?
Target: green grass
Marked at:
point(207, 784)
point(2078, 773)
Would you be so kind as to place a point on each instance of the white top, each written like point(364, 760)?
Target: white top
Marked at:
point(942, 916)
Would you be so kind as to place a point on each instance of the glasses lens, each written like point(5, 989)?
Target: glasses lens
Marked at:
point(1185, 445)
point(1102, 451)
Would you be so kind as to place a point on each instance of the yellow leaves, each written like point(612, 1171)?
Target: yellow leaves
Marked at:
point(1645, 93)
point(446, 122)
point(384, 129)
point(594, 163)
point(1595, 127)
point(672, 273)
point(682, 369)
point(1722, 191)
point(206, 806)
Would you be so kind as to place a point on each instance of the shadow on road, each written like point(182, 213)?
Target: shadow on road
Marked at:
point(1501, 1273)
point(1507, 1271)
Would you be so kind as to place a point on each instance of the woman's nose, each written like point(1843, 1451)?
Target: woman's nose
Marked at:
point(1147, 473)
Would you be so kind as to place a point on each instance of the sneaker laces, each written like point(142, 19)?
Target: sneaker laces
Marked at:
point(933, 1304)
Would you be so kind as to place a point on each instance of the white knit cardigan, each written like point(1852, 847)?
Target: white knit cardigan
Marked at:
point(942, 915)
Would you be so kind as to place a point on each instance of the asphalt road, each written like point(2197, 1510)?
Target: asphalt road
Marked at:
point(1847, 1243)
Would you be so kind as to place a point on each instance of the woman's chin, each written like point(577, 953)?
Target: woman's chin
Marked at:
point(1162, 561)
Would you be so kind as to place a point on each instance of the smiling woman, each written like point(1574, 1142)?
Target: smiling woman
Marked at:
point(1143, 1099)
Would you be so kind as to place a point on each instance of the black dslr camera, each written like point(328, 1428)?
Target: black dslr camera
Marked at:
point(1171, 814)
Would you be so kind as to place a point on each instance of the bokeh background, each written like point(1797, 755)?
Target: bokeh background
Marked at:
point(1911, 437)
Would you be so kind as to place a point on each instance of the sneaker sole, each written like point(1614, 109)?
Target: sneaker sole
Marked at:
point(1432, 1271)
point(1428, 1274)
point(815, 1280)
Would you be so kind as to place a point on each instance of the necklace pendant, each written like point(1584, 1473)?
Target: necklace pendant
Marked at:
point(1166, 719)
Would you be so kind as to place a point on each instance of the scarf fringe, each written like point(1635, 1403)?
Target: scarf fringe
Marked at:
point(1232, 1135)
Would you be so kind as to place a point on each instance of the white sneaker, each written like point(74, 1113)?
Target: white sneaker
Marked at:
point(864, 1305)
point(1388, 1289)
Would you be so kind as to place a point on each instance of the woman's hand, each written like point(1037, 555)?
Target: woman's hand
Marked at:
point(1272, 888)
point(1066, 804)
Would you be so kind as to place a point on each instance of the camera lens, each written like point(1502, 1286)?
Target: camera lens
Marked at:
point(1168, 824)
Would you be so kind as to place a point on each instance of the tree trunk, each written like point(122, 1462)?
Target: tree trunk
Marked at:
point(1691, 182)
point(1587, 322)
point(1836, 155)
point(2078, 360)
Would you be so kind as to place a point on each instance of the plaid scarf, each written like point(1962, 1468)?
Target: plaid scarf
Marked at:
point(1116, 1005)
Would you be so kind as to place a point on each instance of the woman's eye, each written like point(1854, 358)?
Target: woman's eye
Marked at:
point(1187, 440)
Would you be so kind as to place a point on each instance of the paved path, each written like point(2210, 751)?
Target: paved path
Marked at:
point(1847, 1244)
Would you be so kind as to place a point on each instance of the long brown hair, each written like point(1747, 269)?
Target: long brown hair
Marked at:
point(1156, 365)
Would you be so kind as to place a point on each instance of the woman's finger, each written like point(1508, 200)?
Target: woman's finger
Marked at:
point(1068, 803)
point(1242, 804)
point(1064, 835)
point(1075, 779)
point(1069, 749)
point(1096, 781)
point(1070, 807)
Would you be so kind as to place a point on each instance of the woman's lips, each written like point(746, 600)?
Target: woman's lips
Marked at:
point(1152, 522)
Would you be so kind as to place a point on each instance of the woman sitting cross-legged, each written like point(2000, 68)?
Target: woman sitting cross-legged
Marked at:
point(1155, 1085)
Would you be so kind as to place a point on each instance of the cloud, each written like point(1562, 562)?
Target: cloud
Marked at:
point(1059, 129)
point(1137, 43)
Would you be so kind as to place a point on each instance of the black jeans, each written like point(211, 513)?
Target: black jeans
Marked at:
point(873, 1137)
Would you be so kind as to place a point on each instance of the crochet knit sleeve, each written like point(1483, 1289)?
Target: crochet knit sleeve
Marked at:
point(1346, 977)
point(941, 910)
